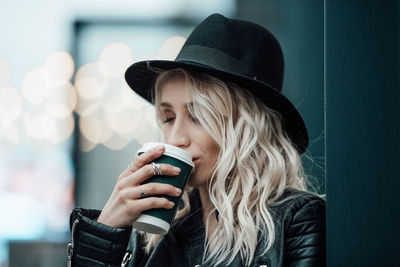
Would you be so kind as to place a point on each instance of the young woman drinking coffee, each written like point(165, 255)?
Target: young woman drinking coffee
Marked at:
point(247, 202)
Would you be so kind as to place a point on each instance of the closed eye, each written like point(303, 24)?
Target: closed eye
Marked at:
point(168, 120)
point(195, 120)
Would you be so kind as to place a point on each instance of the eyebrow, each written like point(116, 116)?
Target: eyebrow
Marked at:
point(165, 104)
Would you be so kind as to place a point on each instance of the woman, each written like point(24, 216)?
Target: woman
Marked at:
point(247, 203)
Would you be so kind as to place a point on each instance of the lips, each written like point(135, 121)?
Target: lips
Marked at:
point(195, 161)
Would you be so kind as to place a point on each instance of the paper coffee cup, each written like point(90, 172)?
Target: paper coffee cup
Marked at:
point(158, 221)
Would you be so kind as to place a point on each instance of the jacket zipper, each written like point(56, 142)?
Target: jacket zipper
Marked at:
point(70, 246)
point(126, 259)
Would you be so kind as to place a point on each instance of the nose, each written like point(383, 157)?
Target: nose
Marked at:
point(179, 135)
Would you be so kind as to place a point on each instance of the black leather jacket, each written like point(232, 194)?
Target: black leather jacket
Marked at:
point(299, 240)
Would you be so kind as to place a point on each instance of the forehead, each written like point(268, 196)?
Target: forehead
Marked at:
point(175, 90)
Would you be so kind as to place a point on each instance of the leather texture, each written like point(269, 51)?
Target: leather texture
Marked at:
point(299, 241)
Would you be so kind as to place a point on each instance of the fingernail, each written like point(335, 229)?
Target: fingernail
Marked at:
point(178, 190)
point(171, 203)
point(177, 170)
point(160, 147)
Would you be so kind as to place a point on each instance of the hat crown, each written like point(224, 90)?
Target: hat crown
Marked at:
point(239, 46)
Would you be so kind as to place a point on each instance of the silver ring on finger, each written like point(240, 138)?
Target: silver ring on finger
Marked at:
point(143, 195)
point(156, 169)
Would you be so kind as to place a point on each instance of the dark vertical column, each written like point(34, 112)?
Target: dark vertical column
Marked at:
point(362, 132)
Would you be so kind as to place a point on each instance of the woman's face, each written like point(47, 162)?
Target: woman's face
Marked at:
point(181, 130)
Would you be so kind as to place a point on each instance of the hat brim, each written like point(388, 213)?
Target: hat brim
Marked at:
point(140, 76)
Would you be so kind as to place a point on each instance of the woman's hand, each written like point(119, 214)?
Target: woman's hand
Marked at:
point(125, 205)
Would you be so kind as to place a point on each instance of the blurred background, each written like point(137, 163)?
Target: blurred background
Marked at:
point(69, 124)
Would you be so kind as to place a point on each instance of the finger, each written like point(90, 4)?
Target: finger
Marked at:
point(153, 203)
point(142, 160)
point(146, 172)
point(150, 189)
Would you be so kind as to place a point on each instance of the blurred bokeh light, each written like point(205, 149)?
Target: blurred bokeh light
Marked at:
point(114, 59)
point(60, 67)
point(110, 112)
point(36, 86)
point(171, 47)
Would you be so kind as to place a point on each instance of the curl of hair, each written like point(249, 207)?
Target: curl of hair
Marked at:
point(256, 163)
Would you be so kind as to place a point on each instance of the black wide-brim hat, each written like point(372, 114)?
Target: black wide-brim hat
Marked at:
point(235, 51)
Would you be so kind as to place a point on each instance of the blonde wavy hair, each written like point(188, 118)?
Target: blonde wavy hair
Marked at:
point(256, 163)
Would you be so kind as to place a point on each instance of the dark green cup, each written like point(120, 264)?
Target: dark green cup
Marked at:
point(158, 221)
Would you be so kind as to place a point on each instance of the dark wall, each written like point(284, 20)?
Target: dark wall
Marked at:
point(361, 74)
point(362, 132)
point(299, 27)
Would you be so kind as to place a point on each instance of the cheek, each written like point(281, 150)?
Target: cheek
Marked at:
point(214, 149)
point(212, 154)
point(165, 134)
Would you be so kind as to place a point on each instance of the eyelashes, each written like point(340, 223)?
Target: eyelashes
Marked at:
point(168, 120)
point(195, 120)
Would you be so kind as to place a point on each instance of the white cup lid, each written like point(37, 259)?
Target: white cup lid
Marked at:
point(171, 151)
point(151, 224)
